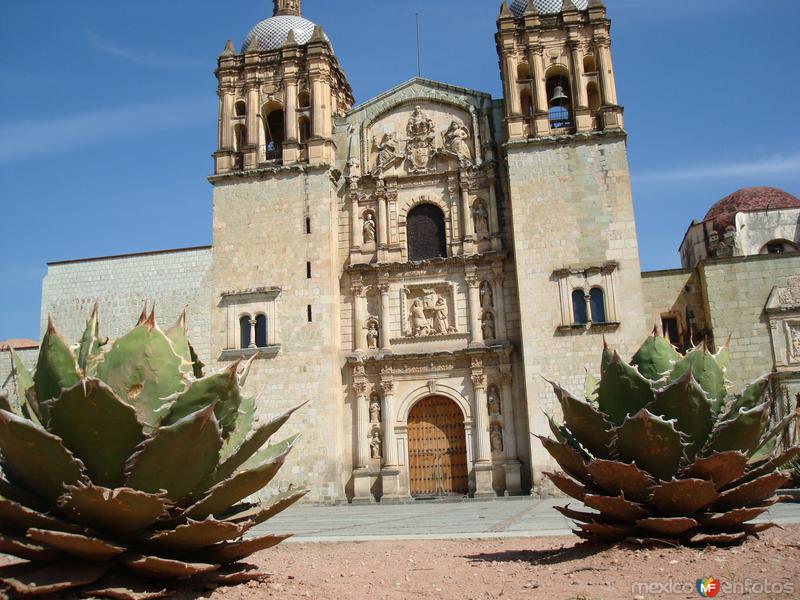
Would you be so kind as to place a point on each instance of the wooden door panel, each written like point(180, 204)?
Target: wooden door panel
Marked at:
point(437, 448)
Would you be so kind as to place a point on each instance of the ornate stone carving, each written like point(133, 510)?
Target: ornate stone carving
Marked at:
point(790, 295)
point(496, 438)
point(369, 228)
point(388, 152)
point(376, 446)
point(372, 334)
point(360, 388)
point(455, 143)
point(793, 340)
point(375, 409)
point(480, 216)
point(420, 148)
point(487, 326)
point(493, 402)
point(725, 245)
point(478, 379)
point(429, 314)
point(487, 295)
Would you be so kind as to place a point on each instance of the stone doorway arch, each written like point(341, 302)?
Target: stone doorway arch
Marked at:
point(437, 448)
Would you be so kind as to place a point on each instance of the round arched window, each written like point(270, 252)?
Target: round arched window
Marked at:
point(427, 237)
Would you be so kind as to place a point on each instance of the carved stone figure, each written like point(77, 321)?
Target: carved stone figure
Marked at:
point(713, 242)
point(369, 228)
point(488, 326)
point(420, 148)
point(481, 219)
point(387, 152)
point(420, 325)
point(794, 340)
point(375, 409)
point(496, 438)
point(441, 320)
point(372, 335)
point(790, 296)
point(493, 402)
point(455, 142)
point(376, 446)
point(487, 296)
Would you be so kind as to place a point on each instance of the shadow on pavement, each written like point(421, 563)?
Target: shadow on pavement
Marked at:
point(542, 557)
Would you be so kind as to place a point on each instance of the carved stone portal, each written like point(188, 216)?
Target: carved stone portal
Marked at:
point(429, 313)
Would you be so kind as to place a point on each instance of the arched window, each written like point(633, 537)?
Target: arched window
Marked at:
point(244, 332)
point(526, 103)
point(589, 64)
point(305, 129)
point(523, 71)
point(240, 108)
point(303, 100)
point(239, 137)
point(779, 247)
point(593, 94)
point(597, 302)
point(579, 307)
point(274, 132)
point(426, 234)
point(261, 331)
point(558, 95)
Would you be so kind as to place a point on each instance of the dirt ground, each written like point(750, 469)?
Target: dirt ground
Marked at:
point(558, 568)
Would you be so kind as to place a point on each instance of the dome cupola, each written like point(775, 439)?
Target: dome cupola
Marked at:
point(547, 7)
point(272, 33)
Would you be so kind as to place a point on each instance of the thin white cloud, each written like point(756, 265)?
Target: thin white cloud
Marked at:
point(770, 166)
point(21, 140)
point(148, 59)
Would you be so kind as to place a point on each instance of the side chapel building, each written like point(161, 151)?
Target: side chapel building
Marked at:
point(417, 264)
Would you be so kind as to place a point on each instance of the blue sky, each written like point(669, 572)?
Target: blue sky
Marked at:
point(108, 112)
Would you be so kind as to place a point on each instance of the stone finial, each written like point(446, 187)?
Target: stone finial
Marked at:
point(596, 4)
point(505, 11)
point(287, 7)
point(253, 45)
point(568, 6)
point(318, 35)
point(291, 39)
point(229, 50)
point(531, 9)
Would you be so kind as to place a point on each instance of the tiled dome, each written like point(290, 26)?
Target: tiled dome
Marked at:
point(271, 33)
point(545, 7)
point(724, 212)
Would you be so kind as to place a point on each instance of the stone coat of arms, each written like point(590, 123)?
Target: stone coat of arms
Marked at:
point(420, 149)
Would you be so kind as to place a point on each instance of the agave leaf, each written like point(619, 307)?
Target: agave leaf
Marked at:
point(771, 465)
point(656, 358)
point(124, 587)
point(608, 356)
point(5, 404)
point(721, 468)
point(732, 520)
point(723, 357)
point(605, 532)
point(90, 345)
point(652, 443)
point(23, 381)
point(17, 494)
point(121, 511)
point(576, 515)
point(616, 507)
point(772, 435)
point(685, 402)
point(55, 578)
point(752, 396)
point(220, 390)
point(98, 428)
point(234, 574)
point(36, 459)
point(56, 370)
point(162, 568)
point(143, 369)
point(193, 536)
point(741, 433)
point(75, 544)
point(587, 424)
point(681, 497)
point(591, 387)
point(567, 485)
point(176, 458)
point(197, 364)
point(26, 549)
point(246, 370)
point(567, 457)
point(272, 507)
point(717, 539)
point(180, 344)
point(19, 518)
point(616, 477)
point(249, 447)
point(232, 551)
point(751, 493)
point(245, 483)
point(669, 526)
point(623, 391)
point(244, 425)
point(707, 372)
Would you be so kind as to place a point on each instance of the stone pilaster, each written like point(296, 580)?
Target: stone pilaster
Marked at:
point(475, 333)
point(512, 464)
point(483, 453)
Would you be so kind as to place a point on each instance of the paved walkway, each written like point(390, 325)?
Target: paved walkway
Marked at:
point(502, 518)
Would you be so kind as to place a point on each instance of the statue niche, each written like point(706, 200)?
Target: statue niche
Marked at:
point(373, 337)
point(375, 410)
point(368, 229)
point(376, 446)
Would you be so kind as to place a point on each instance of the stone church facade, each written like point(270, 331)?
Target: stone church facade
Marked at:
point(416, 265)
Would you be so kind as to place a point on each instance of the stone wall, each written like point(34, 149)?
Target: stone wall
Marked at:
point(737, 291)
point(571, 207)
point(757, 228)
point(28, 358)
point(173, 280)
point(677, 294)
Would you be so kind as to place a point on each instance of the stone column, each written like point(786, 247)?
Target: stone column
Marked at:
point(361, 485)
point(383, 222)
point(290, 110)
point(499, 302)
point(604, 65)
point(251, 119)
point(581, 100)
point(390, 473)
point(359, 317)
point(512, 465)
point(542, 102)
point(514, 104)
point(226, 129)
point(475, 333)
point(252, 334)
point(317, 107)
point(494, 221)
point(356, 233)
point(483, 454)
point(385, 317)
point(468, 227)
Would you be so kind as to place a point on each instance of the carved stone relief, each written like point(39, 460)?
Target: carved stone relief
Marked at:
point(388, 152)
point(372, 334)
point(493, 402)
point(790, 295)
point(369, 228)
point(376, 445)
point(455, 143)
point(488, 326)
point(487, 295)
point(420, 148)
point(480, 216)
point(496, 438)
point(429, 311)
point(793, 340)
point(375, 409)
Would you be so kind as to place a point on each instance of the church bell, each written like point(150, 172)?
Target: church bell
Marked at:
point(559, 97)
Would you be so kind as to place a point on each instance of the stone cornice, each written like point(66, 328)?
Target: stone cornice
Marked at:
point(560, 140)
point(267, 172)
point(477, 260)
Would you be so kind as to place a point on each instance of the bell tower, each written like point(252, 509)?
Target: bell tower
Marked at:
point(279, 95)
point(556, 68)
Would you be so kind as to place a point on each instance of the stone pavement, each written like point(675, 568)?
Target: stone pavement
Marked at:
point(501, 518)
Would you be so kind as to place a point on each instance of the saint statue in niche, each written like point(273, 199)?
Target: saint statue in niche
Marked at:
point(376, 446)
point(488, 326)
point(487, 296)
point(369, 228)
point(375, 409)
point(493, 402)
point(496, 437)
point(455, 142)
point(372, 335)
point(481, 218)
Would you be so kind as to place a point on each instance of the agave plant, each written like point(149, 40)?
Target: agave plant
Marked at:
point(124, 463)
point(661, 451)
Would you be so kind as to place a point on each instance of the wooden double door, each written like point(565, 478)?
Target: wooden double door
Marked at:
point(437, 448)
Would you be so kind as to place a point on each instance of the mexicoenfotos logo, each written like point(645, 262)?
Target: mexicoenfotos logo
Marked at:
point(708, 587)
